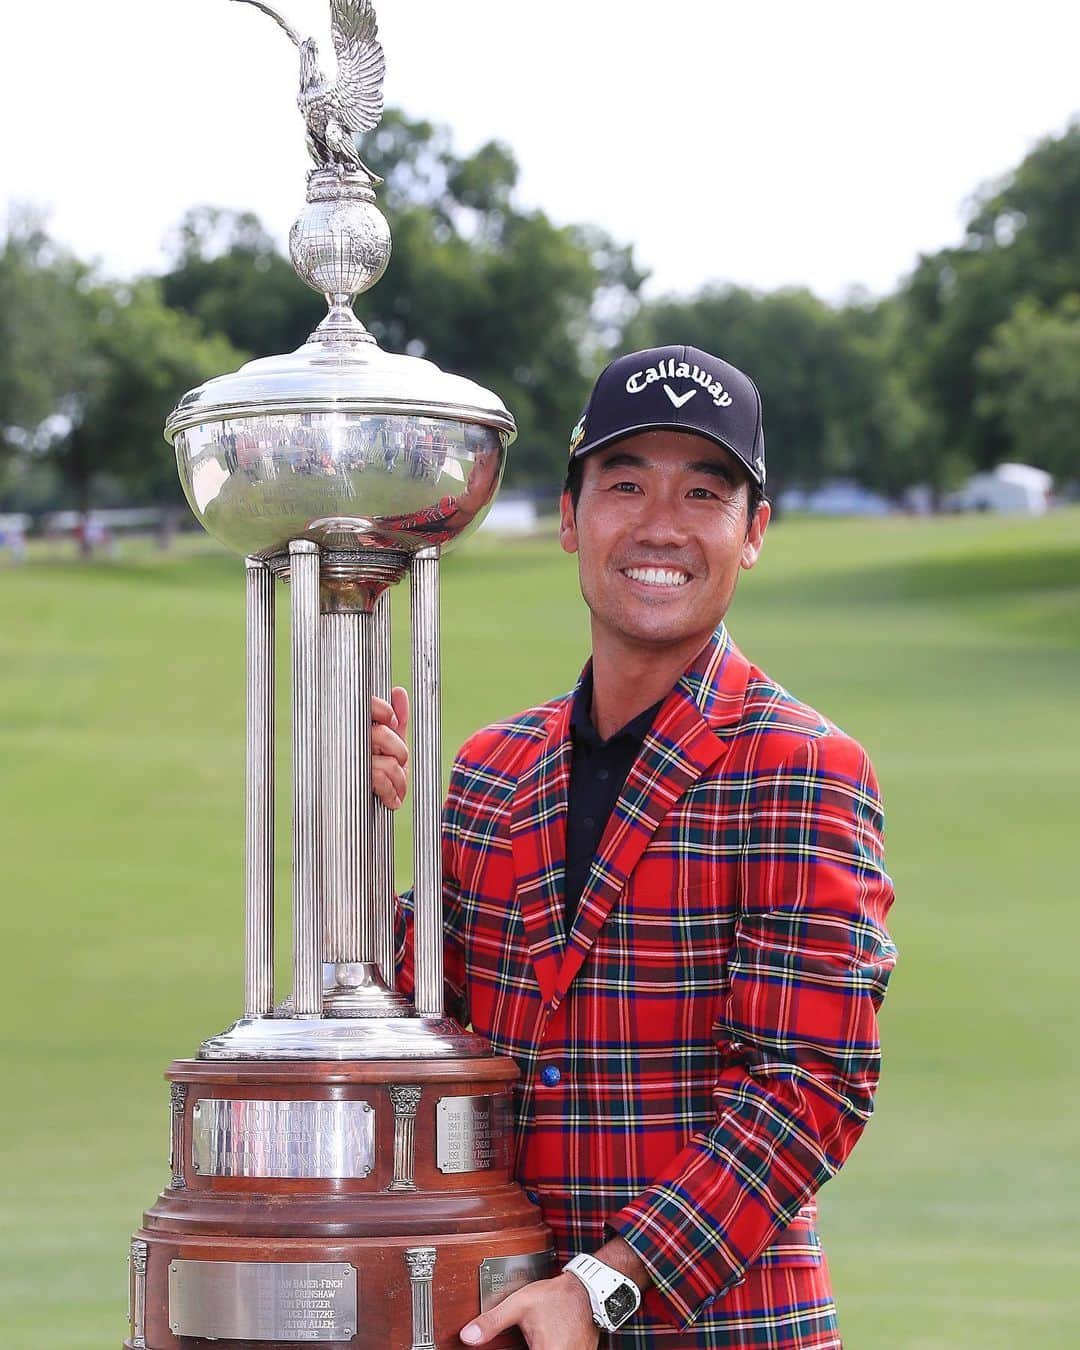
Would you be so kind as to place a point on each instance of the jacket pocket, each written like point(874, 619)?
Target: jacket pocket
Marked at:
point(797, 1245)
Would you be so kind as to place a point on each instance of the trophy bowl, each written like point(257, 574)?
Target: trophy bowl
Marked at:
point(344, 445)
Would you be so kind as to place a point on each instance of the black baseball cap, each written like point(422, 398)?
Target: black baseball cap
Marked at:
point(675, 389)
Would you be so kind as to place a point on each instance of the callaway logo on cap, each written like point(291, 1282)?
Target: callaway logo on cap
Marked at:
point(675, 389)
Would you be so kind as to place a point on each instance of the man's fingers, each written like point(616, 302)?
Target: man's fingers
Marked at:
point(383, 714)
point(551, 1315)
point(399, 699)
point(507, 1314)
point(387, 743)
point(389, 783)
point(389, 752)
point(389, 767)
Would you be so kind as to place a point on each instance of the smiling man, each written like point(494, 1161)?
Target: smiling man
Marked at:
point(666, 900)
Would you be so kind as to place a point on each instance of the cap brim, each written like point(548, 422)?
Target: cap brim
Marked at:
point(589, 447)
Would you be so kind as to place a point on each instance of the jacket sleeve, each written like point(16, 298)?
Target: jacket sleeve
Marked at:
point(797, 1039)
point(453, 945)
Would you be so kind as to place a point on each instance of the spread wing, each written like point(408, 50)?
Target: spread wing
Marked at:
point(276, 18)
point(358, 95)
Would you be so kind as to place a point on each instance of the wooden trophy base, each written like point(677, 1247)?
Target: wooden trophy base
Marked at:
point(366, 1204)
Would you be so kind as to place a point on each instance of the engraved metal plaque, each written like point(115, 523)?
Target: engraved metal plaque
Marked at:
point(502, 1275)
point(471, 1133)
point(241, 1138)
point(263, 1300)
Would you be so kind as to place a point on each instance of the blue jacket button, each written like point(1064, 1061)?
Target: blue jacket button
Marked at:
point(532, 1197)
point(551, 1076)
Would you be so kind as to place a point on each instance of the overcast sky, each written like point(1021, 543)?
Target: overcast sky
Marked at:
point(772, 143)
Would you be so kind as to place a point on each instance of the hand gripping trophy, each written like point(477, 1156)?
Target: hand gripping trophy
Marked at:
point(340, 1157)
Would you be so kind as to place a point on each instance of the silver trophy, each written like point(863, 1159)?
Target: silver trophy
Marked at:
point(338, 469)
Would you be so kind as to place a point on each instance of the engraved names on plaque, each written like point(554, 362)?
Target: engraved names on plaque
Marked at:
point(247, 1138)
point(263, 1300)
point(500, 1276)
point(471, 1133)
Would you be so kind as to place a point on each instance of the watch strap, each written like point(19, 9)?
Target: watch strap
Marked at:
point(601, 1281)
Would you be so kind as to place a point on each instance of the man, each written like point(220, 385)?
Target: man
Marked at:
point(665, 898)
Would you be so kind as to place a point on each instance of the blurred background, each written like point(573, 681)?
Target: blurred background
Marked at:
point(875, 211)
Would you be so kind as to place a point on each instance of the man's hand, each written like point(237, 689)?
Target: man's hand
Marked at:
point(389, 753)
point(551, 1315)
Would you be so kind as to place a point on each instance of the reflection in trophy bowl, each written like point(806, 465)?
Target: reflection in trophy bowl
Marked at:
point(345, 480)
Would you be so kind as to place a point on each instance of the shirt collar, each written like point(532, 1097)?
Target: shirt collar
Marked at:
point(581, 724)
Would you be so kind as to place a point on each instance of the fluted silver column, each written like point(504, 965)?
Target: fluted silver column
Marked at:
point(421, 1263)
point(427, 784)
point(259, 813)
point(137, 1293)
point(405, 1099)
point(307, 967)
point(383, 841)
point(348, 806)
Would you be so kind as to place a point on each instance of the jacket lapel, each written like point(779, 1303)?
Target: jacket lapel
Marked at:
point(538, 841)
point(683, 744)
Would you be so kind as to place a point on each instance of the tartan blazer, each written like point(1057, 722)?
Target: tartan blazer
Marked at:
point(700, 1054)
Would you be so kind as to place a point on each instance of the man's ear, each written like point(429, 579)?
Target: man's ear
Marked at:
point(567, 524)
point(755, 536)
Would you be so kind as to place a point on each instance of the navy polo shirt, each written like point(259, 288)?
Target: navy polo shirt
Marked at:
point(597, 773)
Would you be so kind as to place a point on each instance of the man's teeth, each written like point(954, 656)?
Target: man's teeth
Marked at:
point(656, 576)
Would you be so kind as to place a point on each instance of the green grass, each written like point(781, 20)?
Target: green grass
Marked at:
point(950, 648)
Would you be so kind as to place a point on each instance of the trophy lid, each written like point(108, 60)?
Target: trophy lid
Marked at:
point(339, 377)
point(342, 444)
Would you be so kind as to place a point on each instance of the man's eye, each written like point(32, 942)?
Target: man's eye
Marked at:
point(701, 494)
point(624, 486)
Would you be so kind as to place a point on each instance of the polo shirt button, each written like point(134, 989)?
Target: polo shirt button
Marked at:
point(588, 822)
point(603, 775)
point(551, 1076)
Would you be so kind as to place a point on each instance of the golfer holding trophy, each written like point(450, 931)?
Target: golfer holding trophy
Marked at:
point(661, 897)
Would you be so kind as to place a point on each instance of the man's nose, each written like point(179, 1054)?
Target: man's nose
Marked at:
point(661, 522)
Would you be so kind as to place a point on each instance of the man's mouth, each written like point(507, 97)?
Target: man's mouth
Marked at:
point(657, 576)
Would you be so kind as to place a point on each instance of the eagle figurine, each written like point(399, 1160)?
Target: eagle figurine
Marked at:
point(334, 112)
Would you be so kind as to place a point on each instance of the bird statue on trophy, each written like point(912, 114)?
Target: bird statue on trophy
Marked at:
point(334, 113)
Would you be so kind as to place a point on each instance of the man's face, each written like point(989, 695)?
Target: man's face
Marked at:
point(661, 535)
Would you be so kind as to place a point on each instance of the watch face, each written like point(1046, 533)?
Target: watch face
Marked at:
point(620, 1304)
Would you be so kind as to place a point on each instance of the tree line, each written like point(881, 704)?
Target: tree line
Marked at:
point(972, 360)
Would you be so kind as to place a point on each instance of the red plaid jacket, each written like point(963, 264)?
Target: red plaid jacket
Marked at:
point(712, 1017)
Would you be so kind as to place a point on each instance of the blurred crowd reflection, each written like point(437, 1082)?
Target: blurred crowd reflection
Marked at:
point(322, 444)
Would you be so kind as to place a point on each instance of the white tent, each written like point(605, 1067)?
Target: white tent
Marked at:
point(1013, 489)
point(511, 513)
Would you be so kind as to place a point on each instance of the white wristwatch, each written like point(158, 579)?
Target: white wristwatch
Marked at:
point(614, 1297)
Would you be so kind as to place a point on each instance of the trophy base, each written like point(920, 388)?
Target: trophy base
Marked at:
point(337, 1203)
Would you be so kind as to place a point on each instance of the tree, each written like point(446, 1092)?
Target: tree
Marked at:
point(142, 357)
point(44, 316)
point(228, 274)
point(90, 369)
point(1022, 241)
point(1029, 376)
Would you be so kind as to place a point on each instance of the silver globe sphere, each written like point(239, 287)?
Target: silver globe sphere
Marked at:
point(340, 243)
